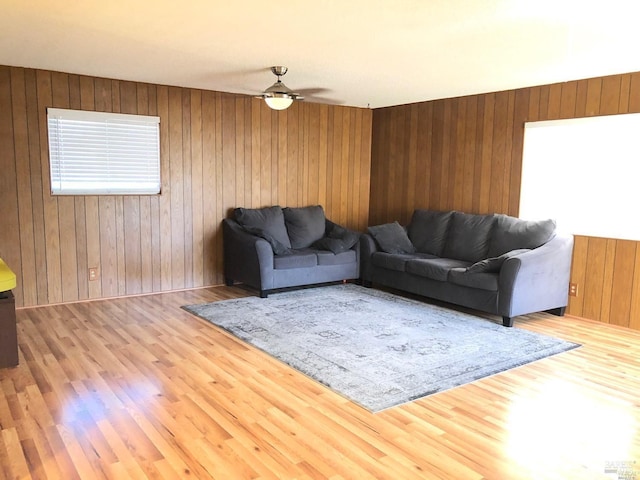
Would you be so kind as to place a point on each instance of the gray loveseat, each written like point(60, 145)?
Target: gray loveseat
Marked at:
point(272, 248)
point(493, 263)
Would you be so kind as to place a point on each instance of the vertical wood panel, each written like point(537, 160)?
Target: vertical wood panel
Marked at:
point(498, 152)
point(594, 92)
point(471, 125)
point(265, 155)
point(446, 154)
point(625, 261)
point(197, 183)
point(220, 180)
point(50, 203)
point(25, 219)
point(634, 93)
point(210, 211)
point(293, 167)
point(344, 164)
point(322, 157)
point(487, 146)
point(519, 118)
point(634, 310)
point(509, 140)
point(610, 95)
point(177, 188)
point(582, 87)
point(187, 205)
point(623, 100)
point(543, 107)
point(485, 134)
point(458, 143)
point(35, 180)
point(555, 101)
point(477, 163)
point(146, 217)
point(365, 171)
point(607, 280)
point(164, 204)
point(218, 151)
point(568, 100)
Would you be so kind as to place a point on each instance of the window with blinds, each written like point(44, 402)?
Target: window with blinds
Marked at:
point(96, 153)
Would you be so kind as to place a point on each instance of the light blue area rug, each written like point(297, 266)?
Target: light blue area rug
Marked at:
point(376, 348)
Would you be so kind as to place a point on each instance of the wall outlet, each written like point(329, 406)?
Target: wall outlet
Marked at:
point(93, 274)
point(573, 289)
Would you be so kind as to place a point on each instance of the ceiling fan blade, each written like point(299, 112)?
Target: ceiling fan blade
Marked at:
point(312, 91)
point(325, 100)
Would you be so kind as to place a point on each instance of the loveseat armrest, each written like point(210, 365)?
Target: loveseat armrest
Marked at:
point(538, 280)
point(247, 258)
point(368, 247)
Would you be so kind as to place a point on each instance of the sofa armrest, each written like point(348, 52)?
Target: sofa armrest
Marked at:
point(367, 248)
point(247, 258)
point(537, 280)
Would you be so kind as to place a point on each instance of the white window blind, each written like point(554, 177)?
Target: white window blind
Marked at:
point(96, 153)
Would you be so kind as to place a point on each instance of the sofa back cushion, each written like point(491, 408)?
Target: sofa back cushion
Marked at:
point(428, 230)
point(510, 233)
point(468, 236)
point(305, 225)
point(268, 219)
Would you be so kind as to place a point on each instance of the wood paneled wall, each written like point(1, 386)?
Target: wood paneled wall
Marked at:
point(466, 154)
point(218, 151)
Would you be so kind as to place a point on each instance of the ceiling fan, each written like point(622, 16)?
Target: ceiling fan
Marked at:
point(278, 96)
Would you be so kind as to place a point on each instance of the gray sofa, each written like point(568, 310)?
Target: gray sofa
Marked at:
point(273, 248)
point(493, 263)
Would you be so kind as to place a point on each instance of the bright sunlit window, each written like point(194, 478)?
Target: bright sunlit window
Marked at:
point(583, 173)
point(95, 153)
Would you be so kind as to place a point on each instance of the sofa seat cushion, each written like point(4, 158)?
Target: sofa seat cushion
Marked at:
point(482, 281)
point(296, 259)
point(428, 230)
point(434, 268)
point(398, 261)
point(269, 220)
point(468, 237)
point(510, 233)
point(305, 225)
point(330, 258)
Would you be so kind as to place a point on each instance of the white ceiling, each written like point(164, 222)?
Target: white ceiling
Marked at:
point(351, 52)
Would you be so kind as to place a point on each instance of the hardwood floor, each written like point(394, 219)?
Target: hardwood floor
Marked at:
point(138, 388)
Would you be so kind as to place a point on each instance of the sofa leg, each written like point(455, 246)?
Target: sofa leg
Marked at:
point(228, 281)
point(507, 321)
point(264, 293)
point(558, 311)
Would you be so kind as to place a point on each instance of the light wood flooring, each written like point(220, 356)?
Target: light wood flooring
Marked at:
point(138, 388)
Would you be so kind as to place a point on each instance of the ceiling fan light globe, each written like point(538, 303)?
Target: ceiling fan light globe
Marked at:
point(279, 102)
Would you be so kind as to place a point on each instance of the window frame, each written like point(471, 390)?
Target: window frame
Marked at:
point(127, 161)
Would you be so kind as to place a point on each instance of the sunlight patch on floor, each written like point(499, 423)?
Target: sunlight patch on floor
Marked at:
point(561, 425)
